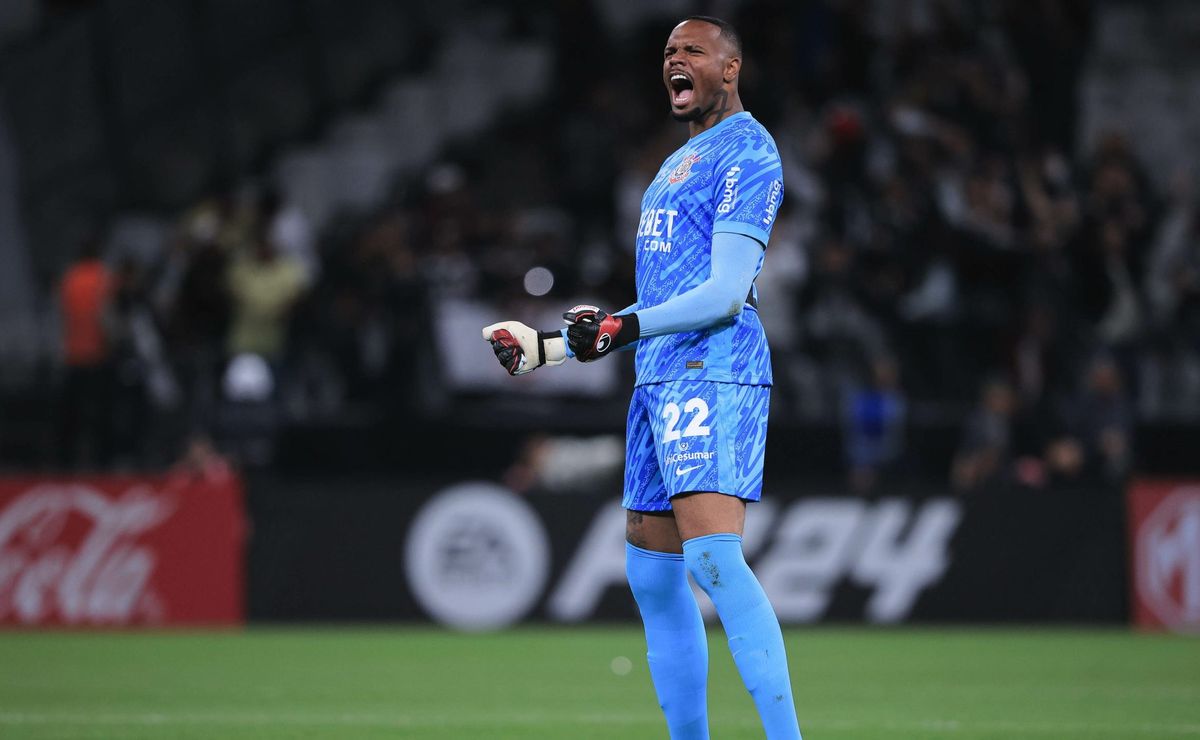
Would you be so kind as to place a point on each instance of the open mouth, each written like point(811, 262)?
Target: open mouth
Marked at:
point(681, 89)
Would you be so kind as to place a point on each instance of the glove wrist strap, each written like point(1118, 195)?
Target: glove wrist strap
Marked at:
point(554, 347)
point(631, 329)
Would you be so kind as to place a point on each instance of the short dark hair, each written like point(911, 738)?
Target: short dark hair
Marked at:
point(729, 33)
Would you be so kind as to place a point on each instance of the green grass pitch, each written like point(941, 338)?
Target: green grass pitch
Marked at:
point(562, 683)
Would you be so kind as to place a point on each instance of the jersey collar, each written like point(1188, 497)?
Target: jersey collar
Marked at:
point(705, 134)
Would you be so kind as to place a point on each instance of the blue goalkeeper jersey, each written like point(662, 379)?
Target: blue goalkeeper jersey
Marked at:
point(726, 179)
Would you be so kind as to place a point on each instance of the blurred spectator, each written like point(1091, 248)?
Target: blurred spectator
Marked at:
point(202, 461)
point(1049, 40)
point(985, 450)
point(1100, 421)
point(838, 331)
point(221, 218)
point(1109, 272)
point(989, 206)
point(1042, 362)
point(935, 215)
point(874, 425)
point(1169, 382)
point(144, 382)
point(264, 287)
point(1063, 463)
point(289, 230)
point(196, 306)
point(85, 414)
point(1119, 190)
point(1173, 272)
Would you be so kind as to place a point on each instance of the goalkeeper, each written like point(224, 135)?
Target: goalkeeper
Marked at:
point(697, 425)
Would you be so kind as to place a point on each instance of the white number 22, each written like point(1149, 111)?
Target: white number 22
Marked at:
point(698, 407)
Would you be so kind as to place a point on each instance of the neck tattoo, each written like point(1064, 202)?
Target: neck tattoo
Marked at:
point(721, 108)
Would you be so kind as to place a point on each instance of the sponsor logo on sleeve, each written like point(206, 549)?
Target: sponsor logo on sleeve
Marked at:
point(773, 201)
point(729, 194)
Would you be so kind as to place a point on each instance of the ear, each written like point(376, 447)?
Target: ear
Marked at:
point(733, 66)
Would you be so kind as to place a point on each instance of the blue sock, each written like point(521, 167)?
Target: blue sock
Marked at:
point(676, 646)
point(717, 564)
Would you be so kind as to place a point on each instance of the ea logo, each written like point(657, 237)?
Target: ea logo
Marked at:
point(602, 342)
point(1168, 560)
point(477, 557)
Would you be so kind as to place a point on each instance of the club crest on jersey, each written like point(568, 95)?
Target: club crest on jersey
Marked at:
point(684, 168)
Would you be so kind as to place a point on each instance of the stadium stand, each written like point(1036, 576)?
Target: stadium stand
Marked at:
point(968, 213)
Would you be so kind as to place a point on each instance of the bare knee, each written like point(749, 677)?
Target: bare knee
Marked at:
point(704, 513)
point(652, 530)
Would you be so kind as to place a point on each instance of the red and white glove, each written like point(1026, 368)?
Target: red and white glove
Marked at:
point(521, 349)
point(592, 333)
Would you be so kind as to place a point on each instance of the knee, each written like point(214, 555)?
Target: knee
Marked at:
point(653, 576)
point(714, 561)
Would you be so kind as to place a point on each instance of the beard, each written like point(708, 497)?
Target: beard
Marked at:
point(695, 114)
point(687, 116)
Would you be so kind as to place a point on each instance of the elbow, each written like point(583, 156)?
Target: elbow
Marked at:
point(735, 300)
point(716, 314)
point(727, 308)
point(724, 306)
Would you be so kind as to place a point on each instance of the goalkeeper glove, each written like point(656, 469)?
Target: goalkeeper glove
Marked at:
point(592, 333)
point(521, 349)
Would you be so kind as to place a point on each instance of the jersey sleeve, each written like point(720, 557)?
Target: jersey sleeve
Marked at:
point(748, 189)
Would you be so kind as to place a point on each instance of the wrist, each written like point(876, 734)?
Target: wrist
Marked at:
point(553, 347)
point(630, 331)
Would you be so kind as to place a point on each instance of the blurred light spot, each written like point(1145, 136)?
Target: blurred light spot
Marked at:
point(248, 378)
point(621, 665)
point(444, 178)
point(539, 281)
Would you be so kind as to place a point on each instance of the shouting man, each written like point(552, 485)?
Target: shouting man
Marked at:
point(697, 426)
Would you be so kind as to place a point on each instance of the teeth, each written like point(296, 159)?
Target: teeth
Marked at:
point(678, 77)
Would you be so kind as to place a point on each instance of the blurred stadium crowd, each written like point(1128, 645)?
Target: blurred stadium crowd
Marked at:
point(950, 251)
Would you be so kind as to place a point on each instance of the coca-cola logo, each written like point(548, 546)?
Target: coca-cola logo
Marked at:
point(1168, 560)
point(69, 553)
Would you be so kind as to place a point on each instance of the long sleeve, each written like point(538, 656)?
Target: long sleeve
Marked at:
point(736, 261)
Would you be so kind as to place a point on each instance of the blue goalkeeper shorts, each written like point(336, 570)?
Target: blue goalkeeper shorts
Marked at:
point(686, 436)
